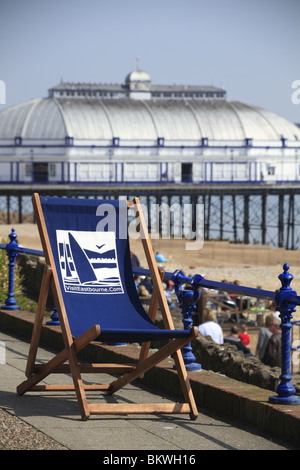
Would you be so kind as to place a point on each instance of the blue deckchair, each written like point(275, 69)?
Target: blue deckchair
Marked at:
point(86, 248)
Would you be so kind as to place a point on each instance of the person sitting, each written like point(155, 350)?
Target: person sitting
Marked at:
point(160, 258)
point(135, 263)
point(236, 341)
point(211, 328)
point(272, 356)
point(147, 284)
point(244, 335)
point(142, 291)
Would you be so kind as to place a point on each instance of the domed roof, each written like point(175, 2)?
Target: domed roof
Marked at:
point(138, 76)
point(95, 119)
point(35, 119)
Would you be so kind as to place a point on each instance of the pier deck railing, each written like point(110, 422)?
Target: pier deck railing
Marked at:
point(286, 300)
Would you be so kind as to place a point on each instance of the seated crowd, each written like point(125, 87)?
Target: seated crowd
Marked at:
point(268, 348)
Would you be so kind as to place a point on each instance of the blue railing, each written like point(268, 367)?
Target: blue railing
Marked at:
point(285, 299)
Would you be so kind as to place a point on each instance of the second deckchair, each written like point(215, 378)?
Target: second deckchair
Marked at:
point(88, 267)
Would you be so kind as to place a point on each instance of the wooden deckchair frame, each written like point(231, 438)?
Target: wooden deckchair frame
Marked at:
point(35, 373)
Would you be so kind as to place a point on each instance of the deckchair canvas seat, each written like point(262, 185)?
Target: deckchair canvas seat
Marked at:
point(88, 266)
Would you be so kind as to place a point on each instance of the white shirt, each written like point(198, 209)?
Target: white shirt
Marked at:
point(212, 329)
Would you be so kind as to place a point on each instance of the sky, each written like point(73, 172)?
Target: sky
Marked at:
point(251, 48)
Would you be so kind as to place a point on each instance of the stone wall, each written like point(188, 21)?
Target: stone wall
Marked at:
point(227, 360)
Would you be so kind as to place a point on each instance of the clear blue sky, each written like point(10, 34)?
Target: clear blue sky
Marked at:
point(249, 47)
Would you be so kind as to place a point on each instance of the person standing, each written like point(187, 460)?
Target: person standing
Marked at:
point(135, 263)
point(264, 335)
point(272, 356)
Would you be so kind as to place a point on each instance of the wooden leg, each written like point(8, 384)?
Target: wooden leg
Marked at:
point(185, 384)
point(142, 367)
point(35, 339)
point(62, 356)
point(77, 380)
point(152, 314)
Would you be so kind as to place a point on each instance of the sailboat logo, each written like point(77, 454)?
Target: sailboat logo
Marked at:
point(88, 262)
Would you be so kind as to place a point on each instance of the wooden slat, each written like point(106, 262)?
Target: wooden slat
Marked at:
point(185, 384)
point(134, 408)
point(90, 368)
point(67, 388)
point(152, 314)
point(36, 333)
point(61, 357)
point(148, 363)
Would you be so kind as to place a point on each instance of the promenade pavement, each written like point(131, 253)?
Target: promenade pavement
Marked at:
point(56, 415)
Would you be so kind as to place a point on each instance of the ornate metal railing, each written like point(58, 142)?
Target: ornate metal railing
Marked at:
point(286, 300)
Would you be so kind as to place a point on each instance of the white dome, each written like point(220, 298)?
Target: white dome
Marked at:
point(138, 76)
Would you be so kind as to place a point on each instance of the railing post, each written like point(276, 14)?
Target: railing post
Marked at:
point(54, 318)
point(187, 302)
point(12, 253)
point(285, 390)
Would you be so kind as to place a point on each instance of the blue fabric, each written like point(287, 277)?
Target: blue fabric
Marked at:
point(90, 247)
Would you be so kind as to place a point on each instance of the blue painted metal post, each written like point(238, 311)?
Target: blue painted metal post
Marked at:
point(54, 318)
point(285, 390)
point(187, 300)
point(12, 253)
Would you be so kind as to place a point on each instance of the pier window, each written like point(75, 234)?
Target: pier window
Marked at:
point(40, 172)
point(271, 170)
point(96, 172)
point(52, 169)
point(186, 172)
point(28, 170)
point(141, 172)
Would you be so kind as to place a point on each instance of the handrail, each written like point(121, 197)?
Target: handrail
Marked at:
point(197, 280)
point(285, 299)
point(22, 249)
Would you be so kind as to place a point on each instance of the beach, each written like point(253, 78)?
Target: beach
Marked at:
point(252, 265)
